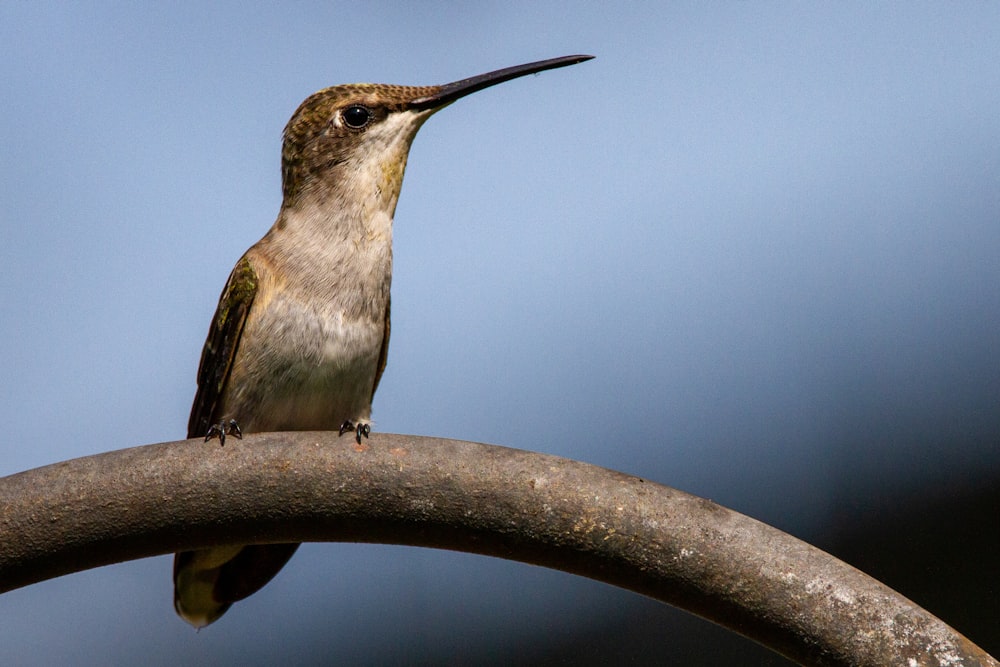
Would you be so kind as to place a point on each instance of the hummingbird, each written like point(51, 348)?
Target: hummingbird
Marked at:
point(301, 332)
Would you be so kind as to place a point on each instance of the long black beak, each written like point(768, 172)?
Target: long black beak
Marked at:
point(450, 92)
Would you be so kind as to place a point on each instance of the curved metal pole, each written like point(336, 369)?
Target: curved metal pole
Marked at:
point(563, 514)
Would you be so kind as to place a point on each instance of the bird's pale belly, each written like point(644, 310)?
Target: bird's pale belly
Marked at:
point(316, 372)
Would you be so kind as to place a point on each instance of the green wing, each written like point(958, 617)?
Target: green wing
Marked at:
point(220, 347)
point(383, 353)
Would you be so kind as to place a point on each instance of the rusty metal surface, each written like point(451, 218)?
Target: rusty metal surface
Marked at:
point(626, 531)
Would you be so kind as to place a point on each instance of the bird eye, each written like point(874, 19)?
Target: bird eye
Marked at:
point(356, 116)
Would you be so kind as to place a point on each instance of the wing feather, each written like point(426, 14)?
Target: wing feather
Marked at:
point(383, 353)
point(220, 347)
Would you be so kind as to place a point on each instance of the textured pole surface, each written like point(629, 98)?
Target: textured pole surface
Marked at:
point(575, 517)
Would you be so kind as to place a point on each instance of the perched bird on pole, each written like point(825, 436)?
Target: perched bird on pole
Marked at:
point(299, 339)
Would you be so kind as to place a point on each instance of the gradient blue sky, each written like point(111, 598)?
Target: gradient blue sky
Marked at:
point(750, 251)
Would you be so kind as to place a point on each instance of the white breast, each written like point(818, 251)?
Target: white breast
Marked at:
point(316, 370)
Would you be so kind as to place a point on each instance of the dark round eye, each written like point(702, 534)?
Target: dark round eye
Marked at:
point(356, 116)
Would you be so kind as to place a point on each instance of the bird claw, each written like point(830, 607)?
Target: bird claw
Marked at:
point(360, 430)
point(221, 429)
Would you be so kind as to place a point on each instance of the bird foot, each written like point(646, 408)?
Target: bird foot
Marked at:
point(221, 429)
point(361, 429)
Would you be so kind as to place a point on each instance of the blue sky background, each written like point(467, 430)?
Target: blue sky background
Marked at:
point(750, 251)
